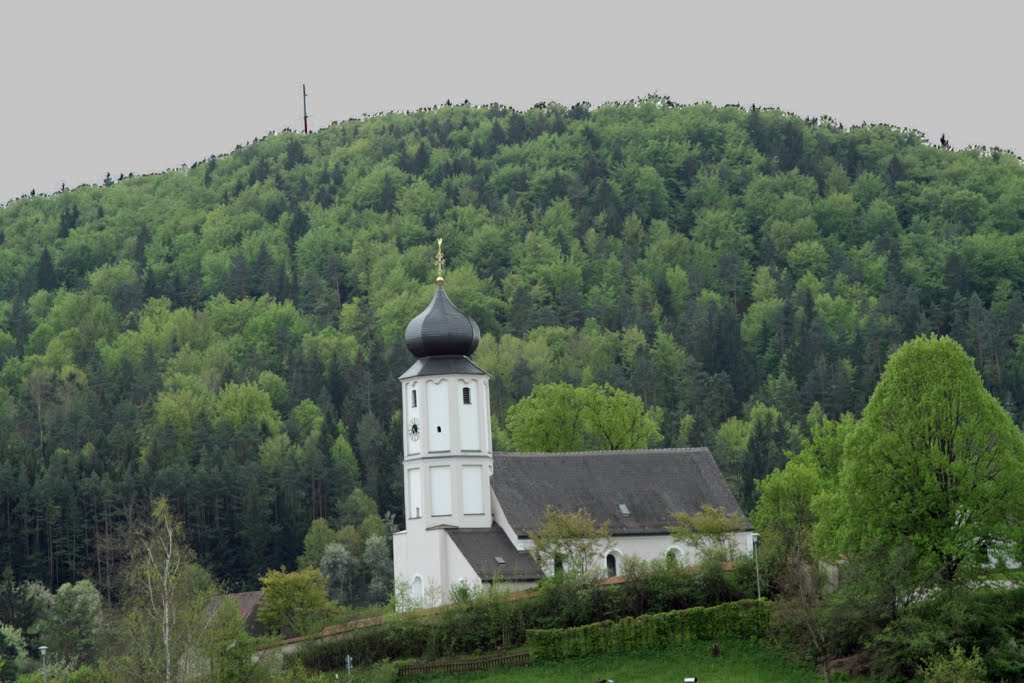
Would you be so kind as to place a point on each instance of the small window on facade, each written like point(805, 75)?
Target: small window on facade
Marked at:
point(611, 565)
point(499, 559)
point(624, 510)
point(413, 398)
point(465, 396)
point(417, 588)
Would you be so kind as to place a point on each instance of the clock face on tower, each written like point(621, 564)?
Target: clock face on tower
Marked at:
point(414, 429)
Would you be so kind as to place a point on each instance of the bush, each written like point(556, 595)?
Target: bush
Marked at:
point(569, 600)
point(12, 652)
point(295, 603)
point(738, 620)
point(658, 586)
point(955, 666)
point(483, 619)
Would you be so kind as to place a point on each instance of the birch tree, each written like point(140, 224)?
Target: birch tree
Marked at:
point(169, 597)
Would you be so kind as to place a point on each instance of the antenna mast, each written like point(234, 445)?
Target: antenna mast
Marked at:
point(305, 116)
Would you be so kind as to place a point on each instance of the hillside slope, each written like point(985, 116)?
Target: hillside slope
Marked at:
point(228, 334)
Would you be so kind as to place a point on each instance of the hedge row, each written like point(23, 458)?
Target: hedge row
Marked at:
point(490, 621)
point(478, 626)
point(745, 619)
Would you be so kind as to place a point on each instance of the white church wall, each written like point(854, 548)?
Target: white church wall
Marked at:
point(468, 398)
point(646, 547)
point(651, 547)
point(412, 413)
point(418, 555)
point(459, 569)
point(428, 565)
point(472, 489)
point(414, 491)
point(438, 416)
point(440, 491)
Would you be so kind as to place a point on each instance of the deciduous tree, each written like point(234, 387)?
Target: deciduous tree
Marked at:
point(569, 540)
point(934, 464)
point(711, 532)
point(73, 626)
point(168, 598)
point(559, 417)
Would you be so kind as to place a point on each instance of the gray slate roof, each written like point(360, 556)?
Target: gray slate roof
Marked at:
point(652, 484)
point(442, 365)
point(482, 547)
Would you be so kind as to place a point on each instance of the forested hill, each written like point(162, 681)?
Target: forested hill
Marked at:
point(229, 334)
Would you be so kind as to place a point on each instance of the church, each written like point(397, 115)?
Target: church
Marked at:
point(469, 511)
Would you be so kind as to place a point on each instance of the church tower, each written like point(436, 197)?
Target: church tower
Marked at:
point(446, 412)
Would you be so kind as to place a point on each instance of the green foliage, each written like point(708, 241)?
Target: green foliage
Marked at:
point(339, 567)
point(785, 512)
point(13, 655)
point(986, 619)
point(955, 666)
point(918, 499)
point(229, 648)
point(737, 620)
point(379, 567)
point(569, 541)
point(701, 259)
point(935, 463)
point(72, 629)
point(486, 618)
point(166, 616)
point(711, 532)
point(294, 603)
point(319, 536)
point(558, 417)
point(356, 508)
point(23, 605)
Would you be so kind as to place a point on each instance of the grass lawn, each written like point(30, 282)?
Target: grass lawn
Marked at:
point(741, 662)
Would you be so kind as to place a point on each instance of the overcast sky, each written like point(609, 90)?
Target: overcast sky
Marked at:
point(92, 87)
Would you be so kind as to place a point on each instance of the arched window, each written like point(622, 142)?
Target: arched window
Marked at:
point(612, 564)
point(674, 556)
point(417, 588)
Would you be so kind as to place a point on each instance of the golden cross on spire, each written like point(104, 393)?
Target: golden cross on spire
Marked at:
point(439, 262)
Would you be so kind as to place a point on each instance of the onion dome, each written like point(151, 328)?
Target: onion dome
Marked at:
point(442, 329)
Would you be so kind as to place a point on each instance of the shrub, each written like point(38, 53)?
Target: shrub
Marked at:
point(658, 586)
point(12, 651)
point(568, 600)
point(483, 619)
point(955, 666)
point(294, 603)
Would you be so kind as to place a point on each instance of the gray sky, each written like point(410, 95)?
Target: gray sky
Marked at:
point(119, 86)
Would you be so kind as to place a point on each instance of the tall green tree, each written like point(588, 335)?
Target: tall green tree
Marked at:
point(72, 629)
point(559, 417)
point(934, 466)
point(168, 598)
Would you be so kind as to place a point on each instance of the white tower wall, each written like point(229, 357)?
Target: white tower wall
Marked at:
point(448, 458)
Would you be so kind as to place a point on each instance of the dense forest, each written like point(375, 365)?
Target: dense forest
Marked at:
point(228, 334)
